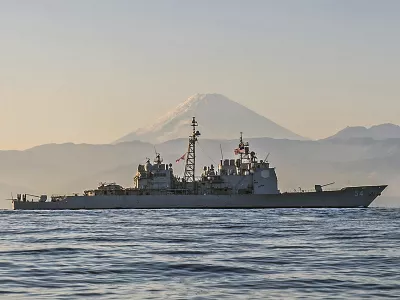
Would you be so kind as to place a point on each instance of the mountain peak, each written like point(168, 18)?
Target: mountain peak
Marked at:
point(189, 105)
point(198, 99)
point(206, 97)
point(218, 117)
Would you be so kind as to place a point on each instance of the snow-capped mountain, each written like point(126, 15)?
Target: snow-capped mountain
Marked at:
point(377, 132)
point(218, 117)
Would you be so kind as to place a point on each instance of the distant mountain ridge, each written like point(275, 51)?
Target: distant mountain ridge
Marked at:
point(376, 132)
point(218, 117)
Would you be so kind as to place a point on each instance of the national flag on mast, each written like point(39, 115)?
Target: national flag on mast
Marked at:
point(180, 158)
point(239, 150)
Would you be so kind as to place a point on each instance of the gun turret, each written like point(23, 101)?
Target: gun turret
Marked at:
point(318, 187)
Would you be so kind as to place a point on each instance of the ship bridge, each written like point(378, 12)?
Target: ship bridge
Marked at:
point(243, 175)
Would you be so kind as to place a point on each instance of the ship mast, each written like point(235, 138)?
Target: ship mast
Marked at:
point(244, 152)
point(241, 145)
point(190, 165)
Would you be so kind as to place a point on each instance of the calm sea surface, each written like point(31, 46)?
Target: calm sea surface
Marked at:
point(200, 254)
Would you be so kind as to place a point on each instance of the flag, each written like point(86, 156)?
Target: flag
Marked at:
point(239, 150)
point(180, 158)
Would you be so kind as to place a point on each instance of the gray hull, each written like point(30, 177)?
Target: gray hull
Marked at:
point(350, 197)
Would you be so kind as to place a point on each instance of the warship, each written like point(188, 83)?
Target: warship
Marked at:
point(244, 182)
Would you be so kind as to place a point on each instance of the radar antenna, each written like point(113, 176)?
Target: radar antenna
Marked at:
point(189, 175)
point(158, 160)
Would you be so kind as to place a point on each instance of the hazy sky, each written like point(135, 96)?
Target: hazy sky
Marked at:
point(92, 70)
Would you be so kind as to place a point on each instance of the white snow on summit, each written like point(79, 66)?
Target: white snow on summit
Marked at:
point(218, 118)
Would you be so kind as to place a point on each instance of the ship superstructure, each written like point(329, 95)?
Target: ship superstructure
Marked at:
point(241, 182)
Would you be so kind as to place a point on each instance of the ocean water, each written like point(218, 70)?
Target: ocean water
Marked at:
point(200, 254)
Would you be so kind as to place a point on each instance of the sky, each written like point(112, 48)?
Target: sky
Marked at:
point(92, 71)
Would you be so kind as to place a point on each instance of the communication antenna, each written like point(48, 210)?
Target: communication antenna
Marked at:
point(222, 154)
point(12, 197)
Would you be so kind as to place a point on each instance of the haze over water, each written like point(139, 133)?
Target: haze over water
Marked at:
point(200, 254)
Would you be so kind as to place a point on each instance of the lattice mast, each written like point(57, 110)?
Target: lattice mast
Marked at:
point(190, 165)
